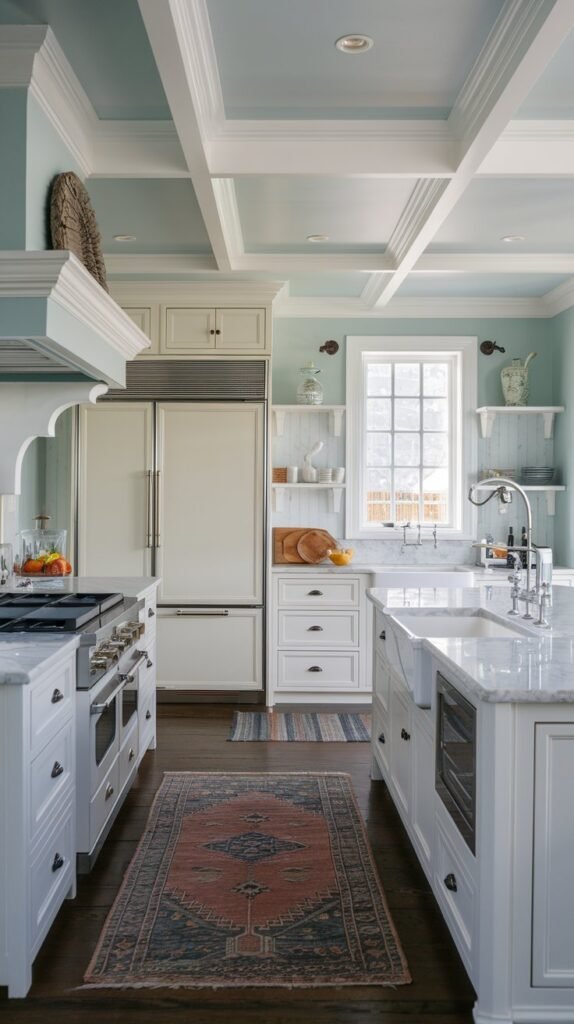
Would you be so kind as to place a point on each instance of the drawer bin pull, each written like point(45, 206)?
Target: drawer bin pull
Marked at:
point(382, 738)
point(57, 696)
point(315, 629)
point(382, 635)
point(450, 882)
point(315, 593)
point(58, 862)
point(315, 668)
point(405, 735)
point(148, 715)
point(57, 770)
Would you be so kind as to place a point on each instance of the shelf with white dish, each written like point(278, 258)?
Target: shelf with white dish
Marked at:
point(335, 493)
point(549, 489)
point(335, 412)
point(488, 414)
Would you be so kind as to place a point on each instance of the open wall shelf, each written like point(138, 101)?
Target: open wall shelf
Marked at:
point(488, 414)
point(335, 412)
point(549, 489)
point(336, 493)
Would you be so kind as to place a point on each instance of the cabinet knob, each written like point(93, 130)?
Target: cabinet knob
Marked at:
point(211, 331)
point(56, 770)
point(405, 735)
point(217, 331)
point(383, 635)
point(57, 696)
point(109, 791)
point(315, 668)
point(58, 862)
point(315, 629)
point(382, 738)
point(150, 613)
point(315, 593)
point(148, 715)
point(131, 754)
point(450, 882)
point(149, 663)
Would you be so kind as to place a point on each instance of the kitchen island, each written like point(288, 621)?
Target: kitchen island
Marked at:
point(483, 778)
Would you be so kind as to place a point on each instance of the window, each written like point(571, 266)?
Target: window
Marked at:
point(411, 434)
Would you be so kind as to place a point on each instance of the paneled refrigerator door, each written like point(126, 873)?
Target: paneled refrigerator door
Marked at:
point(115, 515)
point(209, 503)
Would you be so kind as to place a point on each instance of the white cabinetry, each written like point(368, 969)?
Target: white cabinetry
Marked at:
point(181, 329)
point(37, 795)
point(321, 638)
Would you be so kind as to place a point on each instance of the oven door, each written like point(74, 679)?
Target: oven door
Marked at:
point(104, 729)
point(455, 779)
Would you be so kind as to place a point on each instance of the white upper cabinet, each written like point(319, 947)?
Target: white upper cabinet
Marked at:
point(186, 330)
point(147, 319)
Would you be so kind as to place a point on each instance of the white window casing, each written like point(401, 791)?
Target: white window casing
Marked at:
point(460, 356)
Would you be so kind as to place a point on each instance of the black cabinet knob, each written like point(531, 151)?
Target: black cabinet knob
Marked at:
point(150, 613)
point(315, 593)
point(382, 738)
point(315, 629)
point(148, 715)
point(58, 862)
point(450, 882)
point(382, 635)
point(405, 735)
point(57, 696)
point(315, 668)
point(57, 770)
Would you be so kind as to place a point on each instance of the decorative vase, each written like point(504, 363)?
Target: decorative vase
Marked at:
point(514, 380)
point(309, 391)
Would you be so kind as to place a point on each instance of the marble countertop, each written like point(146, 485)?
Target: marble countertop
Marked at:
point(537, 667)
point(22, 660)
point(370, 567)
point(129, 586)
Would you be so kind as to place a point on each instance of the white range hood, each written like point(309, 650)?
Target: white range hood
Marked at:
point(63, 340)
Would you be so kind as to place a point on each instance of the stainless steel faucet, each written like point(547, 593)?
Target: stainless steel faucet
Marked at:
point(540, 593)
point(418, 543)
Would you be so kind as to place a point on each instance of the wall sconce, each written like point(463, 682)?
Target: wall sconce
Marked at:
point(488, 347)
point(330, 347)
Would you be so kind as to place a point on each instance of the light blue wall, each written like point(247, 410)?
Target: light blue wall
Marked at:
point(13, 169)
point(46, 156)
point(297, 340)
point(563, 327)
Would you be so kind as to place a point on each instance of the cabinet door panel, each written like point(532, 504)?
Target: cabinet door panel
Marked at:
point(187, 330)
point(203, 649)
point(210, 503)
point(241, 329)
point(423, 792)
point(553, 897)
point(114, 506)
point(146, 318)
point(401, 748)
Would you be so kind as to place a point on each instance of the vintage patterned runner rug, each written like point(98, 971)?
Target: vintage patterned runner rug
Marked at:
point(308, 727)
point(250, 880)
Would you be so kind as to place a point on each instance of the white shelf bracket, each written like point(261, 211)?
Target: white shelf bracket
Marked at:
point(487, 419)
point(551, 503)
point(336, 422)
point(278, 422)
point(278, 499)
point(336, 494)
point(548, 418)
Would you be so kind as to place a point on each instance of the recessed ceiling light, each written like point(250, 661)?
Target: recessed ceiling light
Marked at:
point(354, 43)
point(317, 238)
point(124, 238)
point(512, 238)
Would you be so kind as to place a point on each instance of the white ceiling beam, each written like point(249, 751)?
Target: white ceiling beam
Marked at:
point(560, 298)
point(137, 149)
point(532, 148)
point(171, 26)
point(494, 263)
point(364, 149)
point(524, 37)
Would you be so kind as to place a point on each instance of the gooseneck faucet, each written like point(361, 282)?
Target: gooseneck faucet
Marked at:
point(502, 486)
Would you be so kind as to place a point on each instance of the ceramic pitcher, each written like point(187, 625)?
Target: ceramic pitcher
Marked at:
point(514, 380)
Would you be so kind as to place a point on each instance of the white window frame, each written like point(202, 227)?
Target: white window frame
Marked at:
point(465, 460)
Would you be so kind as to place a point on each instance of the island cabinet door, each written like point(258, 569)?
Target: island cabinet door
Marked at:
point(401, 748)
point(553, 875)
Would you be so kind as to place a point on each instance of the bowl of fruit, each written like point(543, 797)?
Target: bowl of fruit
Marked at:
point(341, 556)
point(51, 563)
point(42, 551)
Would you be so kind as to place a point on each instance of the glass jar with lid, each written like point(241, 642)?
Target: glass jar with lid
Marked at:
point(42, 552)
point(309, 391)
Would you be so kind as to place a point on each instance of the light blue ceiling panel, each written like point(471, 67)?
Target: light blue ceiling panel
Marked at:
point(108, 48)
point(278, 59)
point(553, 94)
point(162, 213)
point(480, 285)
point(328, 285)
point(542, 210)
point(278, 213)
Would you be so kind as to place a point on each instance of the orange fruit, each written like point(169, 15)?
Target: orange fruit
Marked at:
point(56, 568)
point(32, 565)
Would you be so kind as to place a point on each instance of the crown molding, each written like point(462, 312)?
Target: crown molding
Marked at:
point(202, 293)
point(413, 308)
point(532, 147)
point(421, 202)
point(319, 263)
point(560, 298)
point(494, 263)
point(137, 149)
point(196, 43)
point(160, 265)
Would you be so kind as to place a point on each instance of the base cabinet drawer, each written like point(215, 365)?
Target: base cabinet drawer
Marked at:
point(455, 890)
point(104, 798)
point(52, 775)
point(206, 650)
point(380, 736)
point(52, 874)
point(316, 592)
point(315, 670)
point(319, 629)
point(51, 705)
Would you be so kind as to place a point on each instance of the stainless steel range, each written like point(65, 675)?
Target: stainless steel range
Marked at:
point(111, 655)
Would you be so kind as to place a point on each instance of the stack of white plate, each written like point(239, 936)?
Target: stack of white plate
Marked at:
point(537, 476)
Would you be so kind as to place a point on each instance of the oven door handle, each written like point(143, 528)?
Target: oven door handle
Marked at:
point(129, 677)
point(98, 709)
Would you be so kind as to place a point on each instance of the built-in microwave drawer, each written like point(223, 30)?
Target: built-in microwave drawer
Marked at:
point(316, 591)
point(316, 670)
point(318, 629)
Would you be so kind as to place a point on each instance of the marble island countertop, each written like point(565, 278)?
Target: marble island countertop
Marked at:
point(23, 659)
point(536, 667)
point(129, 586)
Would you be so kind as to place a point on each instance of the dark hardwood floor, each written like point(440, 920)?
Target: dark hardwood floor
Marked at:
point(193, 738)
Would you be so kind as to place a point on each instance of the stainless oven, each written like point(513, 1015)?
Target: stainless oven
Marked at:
point(455, 774)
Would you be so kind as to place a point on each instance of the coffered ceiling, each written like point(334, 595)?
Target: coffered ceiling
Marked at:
point(436, 165)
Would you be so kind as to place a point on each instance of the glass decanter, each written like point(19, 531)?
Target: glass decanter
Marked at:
point(309, 390)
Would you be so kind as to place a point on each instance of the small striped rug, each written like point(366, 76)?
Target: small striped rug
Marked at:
point(309, 727)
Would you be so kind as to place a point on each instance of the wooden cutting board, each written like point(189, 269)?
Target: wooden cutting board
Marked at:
point(286, 540)
point(314, 544)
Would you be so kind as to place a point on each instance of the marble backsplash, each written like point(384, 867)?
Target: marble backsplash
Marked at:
point(388, 552)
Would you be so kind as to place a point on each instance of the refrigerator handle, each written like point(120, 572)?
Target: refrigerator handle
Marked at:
point(149, 510)
point(157, 511)
point(206, 613)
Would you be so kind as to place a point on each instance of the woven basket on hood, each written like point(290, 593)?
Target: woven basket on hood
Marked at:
point(73, 224)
